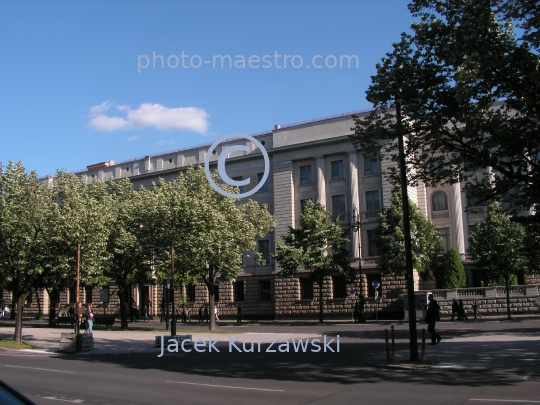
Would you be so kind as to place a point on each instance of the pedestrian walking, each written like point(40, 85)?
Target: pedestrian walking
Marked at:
point(356, 312)
point(462, 313)
point(239, 314)
point(188, 314)
point(216, 313)
point(475, 307)
point(89, 319)
point(184, 315)
point(432, 317)
point(145, 312)
point(206, 314)
point(455, 309)
point(200, 315)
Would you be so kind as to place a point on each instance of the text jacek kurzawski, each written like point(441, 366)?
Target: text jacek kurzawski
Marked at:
point(315, 345)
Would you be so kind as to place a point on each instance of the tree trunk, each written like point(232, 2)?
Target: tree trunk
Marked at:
point(321, 310)
point(17, 337)
point(507, 281)
point(122, 294)
point(211, 306)
point(53, 300)
point(40, 312)
point(13, 303)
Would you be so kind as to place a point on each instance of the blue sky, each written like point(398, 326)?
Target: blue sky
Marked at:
point(74, 90)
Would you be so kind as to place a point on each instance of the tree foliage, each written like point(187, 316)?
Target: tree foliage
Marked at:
point(390, 239)
point(467, 83)
point(316, 245)
point(497, 246)
point(449, 270)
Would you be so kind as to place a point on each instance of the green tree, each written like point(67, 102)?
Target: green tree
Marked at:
point(82, 214)
point(207, 231)
point(390, 239)
point(449, 271)
point(449, 78)
point(497, 247)
point(26, 207)
point(316, 245)
point(129, 264)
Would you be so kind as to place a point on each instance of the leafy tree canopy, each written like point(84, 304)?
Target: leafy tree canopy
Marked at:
point(467, 81)
point(316, 245)
point(390, 239)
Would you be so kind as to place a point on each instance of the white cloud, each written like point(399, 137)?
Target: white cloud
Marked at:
point(133, 138)
point(149, 115)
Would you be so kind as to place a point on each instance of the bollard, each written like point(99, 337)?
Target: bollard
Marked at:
point(387, 347)
point(423, 344)
point(393, 343)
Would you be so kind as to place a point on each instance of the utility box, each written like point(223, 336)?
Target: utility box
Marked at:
point(420, 302)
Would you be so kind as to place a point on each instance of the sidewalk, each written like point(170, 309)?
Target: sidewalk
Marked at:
point(497, 352)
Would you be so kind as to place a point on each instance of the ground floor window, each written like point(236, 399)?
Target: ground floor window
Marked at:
point(238, 291)
point(264, 288)
point(339, 287)
point(306, 289)
point(190, 292)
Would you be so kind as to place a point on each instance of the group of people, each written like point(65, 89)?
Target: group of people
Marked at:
point(459, 309)
point(184, 313)
point(204, 316)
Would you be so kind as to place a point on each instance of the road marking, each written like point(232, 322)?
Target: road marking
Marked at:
point(505, 400)
point(226, 386)
point(75, 401)
point(42, 369)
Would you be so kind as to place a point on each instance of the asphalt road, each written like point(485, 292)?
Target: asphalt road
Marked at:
point(285, 378)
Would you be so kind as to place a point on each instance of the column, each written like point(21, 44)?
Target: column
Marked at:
point(355, 200)
point(321, 185)
point(283, 197)
point(459, 240)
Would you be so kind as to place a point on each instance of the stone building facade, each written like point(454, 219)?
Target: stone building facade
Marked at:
point(311, 160)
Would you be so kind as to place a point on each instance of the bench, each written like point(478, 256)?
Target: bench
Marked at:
point(65, 320)
point(106, 320)
point(178, 338)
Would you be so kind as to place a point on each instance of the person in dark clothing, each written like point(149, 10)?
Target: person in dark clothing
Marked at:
point(206, 314)
point(357, 312)
point(200, 315)
point(431, 318)
point(239, 314)
point(455, 309)
point(462, 313)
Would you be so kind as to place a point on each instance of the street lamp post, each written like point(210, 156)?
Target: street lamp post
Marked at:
point(357, 228)
point(413, 344)
point(407, 234)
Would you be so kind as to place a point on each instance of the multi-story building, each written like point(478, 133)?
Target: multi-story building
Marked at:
point(312, 160)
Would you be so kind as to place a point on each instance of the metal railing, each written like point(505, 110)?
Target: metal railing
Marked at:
point(371, 214)
point(440, 214)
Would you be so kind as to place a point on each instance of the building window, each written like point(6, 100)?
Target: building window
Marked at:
point(373, 202)
point(264, 288)
point(238, 291)
point(439, 201)
point(240, 188)
point(264, 250)
point(339, 287)
point(306, 289)
point(88, 294)
point(371, 243)
point(338, 206)
point(259, 179)
point(71, 295)
point(337, 170)
point(305, 175)
point(437, 167)
point(444, 233)
point(472, 201)
point(190, 292)
point(371, 165)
